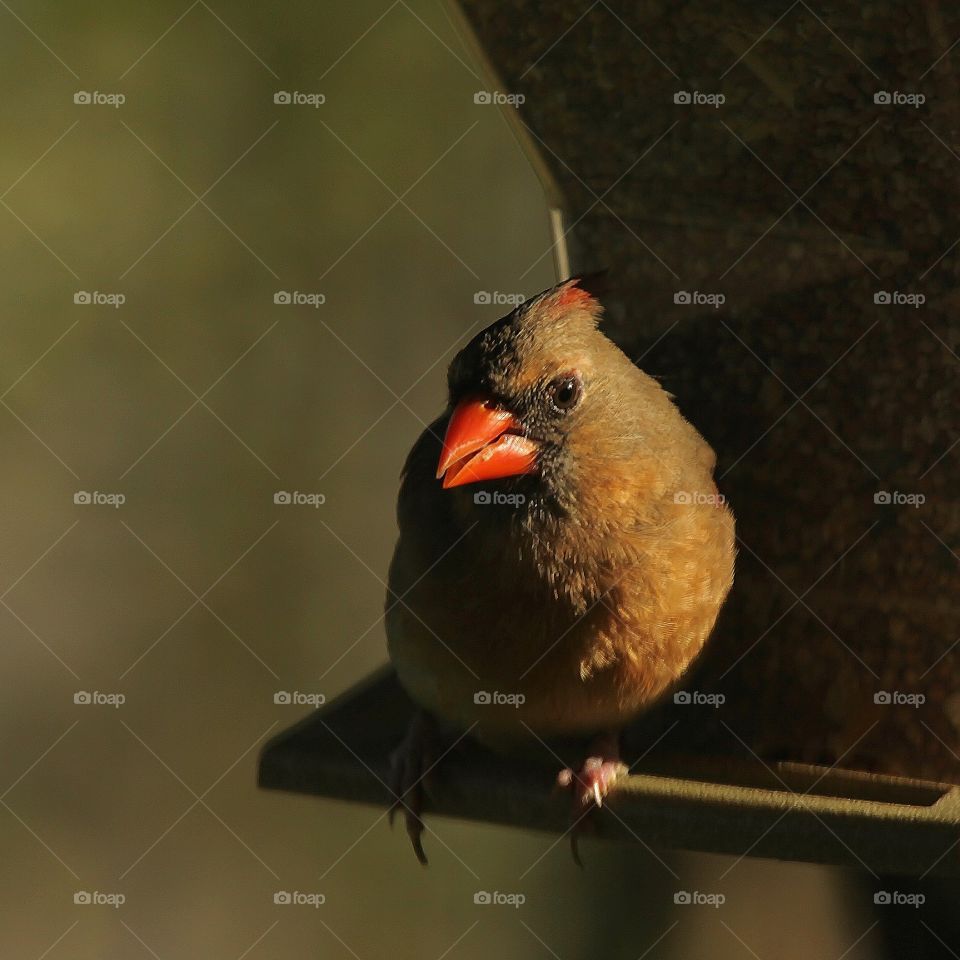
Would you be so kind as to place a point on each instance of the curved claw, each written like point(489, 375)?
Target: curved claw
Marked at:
point(411, 764)
point(415, 833)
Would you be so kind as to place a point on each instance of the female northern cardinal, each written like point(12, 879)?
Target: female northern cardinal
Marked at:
point(563, 551)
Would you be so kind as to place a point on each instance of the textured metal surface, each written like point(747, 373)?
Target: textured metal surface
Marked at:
point(885, 825)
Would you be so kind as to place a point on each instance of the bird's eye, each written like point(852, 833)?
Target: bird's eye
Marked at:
point(565, 391)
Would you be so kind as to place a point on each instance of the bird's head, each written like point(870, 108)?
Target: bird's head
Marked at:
point(544, 397)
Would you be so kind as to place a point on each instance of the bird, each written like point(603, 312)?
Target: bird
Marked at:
point(563, 550)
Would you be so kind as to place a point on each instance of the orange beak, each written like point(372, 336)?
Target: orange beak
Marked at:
point(484, 442)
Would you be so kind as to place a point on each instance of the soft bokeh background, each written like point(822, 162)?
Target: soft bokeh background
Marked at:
point(197, 399)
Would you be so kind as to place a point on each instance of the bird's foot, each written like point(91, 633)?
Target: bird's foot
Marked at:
point(590, 785)
point(411, 764)
point(592, 782)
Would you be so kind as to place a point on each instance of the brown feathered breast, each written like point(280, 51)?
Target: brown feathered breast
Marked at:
point(583, 595)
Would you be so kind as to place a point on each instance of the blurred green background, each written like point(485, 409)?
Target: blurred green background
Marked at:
point(197, 399)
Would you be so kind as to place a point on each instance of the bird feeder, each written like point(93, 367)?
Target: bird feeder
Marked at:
point(769, 193)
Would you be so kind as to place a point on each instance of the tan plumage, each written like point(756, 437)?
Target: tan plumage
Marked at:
point(591, 597)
